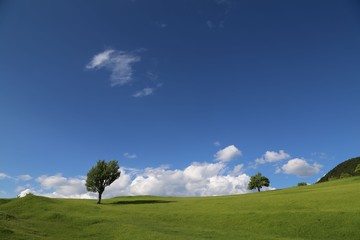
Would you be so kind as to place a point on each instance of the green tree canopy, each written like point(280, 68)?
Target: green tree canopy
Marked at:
point(102, 175)
point(345, 175)
point(357, 169)
point(258, 181)
point(302, 184)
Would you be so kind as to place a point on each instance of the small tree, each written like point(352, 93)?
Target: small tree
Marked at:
point(258, 181)
point(357, 169)
point(302, 184)
point(102, 175)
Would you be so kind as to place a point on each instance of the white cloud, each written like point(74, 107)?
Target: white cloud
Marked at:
point(238, 169)
point(24, 193)
point(51, 181)
point(227, 153)
point(130, 156)
point(300, 168)
point(144, 92)
point(198, 179)
point(119, 63)
point(272, 156)
point(4, 176)
point(199, 171)
point(100, 59)
point(25, 177)
point(120, 186)
point(63, 187)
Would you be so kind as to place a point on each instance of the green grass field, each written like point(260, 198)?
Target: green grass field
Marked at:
point(323, 211)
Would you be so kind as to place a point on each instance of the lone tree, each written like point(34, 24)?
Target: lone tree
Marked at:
point(102, 175)
point(258, 181)
point(302, 184)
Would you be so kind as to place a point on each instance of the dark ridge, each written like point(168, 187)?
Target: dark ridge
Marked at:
point(347, 167)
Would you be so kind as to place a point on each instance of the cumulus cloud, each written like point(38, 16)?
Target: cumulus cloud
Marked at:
point(197, 179)
point(272, 156)
point(24, 193)
point(58, 186)
point(119, 63)
point(63, 187)
point(300, 168)
point(227, 154)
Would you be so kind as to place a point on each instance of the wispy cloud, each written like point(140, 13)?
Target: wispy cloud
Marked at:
point(25, 177)
point(130, 156)
point(152, 75)
point(209, 24)
point(4, 176)
point(144, 92)
point(147, 91)
point(100, 59)
point(224, 9)
point(119, 63)
point(217, 144)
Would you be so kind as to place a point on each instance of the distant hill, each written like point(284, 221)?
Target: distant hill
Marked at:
point(347, 167)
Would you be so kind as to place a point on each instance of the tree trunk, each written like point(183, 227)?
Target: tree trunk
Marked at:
point(99, 198)
point(258, 189)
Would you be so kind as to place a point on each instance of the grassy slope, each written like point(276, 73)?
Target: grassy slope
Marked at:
point(323, 211)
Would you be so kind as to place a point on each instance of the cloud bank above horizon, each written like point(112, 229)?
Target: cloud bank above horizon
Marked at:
point(197, 179)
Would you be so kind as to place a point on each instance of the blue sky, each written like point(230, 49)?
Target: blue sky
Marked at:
point(191, 97)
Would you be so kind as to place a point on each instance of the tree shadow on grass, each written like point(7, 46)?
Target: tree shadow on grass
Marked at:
point(134, 202)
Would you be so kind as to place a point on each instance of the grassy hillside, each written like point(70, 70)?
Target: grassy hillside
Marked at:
point(346, 167)
point(323, 211)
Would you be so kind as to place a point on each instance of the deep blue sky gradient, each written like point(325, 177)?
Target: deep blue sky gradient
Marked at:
point(268, 75)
